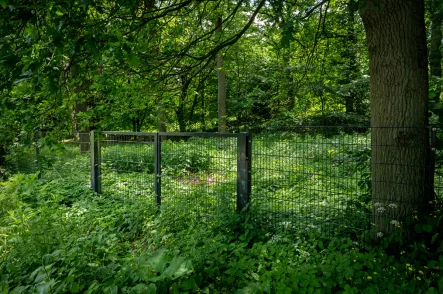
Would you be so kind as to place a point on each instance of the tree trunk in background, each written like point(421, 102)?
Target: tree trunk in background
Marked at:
point(350, 56)
point(80, 107)
point(221, 74)
point(396, 37)
point(289, 81)
point(83, 133)
point(180, 111)
point(161, 117)
point(435, 55)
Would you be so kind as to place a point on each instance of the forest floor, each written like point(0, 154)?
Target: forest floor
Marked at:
point(58, 236)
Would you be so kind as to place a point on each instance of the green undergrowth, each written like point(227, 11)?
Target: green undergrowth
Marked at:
point(59, 237)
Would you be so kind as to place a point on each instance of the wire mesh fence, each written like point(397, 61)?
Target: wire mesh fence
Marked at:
point(335, 180)
point(199, 172)
point(345, 180)
point(52, 155)
point(309, 178)
point(329, 179)
point(127, 164)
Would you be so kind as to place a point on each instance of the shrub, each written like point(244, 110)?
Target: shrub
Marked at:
point(178, 158)
point(129, 158)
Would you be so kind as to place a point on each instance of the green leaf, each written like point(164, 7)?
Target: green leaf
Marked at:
point(44, 287)
point(431, 94)
point(427, 228)
point(139, 289)
point(432, 290)
point(434, 238)
point(431, 264)
point(75, 288)
point(133, 60)
point(3, 4)
point(189, 285)
point(178, 267)
point(152, 288)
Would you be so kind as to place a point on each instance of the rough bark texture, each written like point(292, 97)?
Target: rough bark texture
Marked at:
point(396, 39)
point(435, 55)
point(221, 74)
point(80, 107)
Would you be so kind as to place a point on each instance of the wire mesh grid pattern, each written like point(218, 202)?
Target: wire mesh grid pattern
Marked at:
point(198, 173)
point(329, 179)
point(304, 180)
point(53, 154)
point(127, 164)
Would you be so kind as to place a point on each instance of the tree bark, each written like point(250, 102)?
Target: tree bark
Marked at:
point(221, 74)
point(80, 107)
point(180, 111)
point(396, 37)
point(349, 54)
point(83, 133)
point(161, 117)
point(289, 81)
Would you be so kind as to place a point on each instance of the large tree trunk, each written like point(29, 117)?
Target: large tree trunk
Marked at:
point(435, 55)
point(221, 101)
point(395, 32)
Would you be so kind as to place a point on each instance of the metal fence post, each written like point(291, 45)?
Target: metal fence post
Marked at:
point(157, 169)
point(95, 162)
point(244, 144)
point(431, 175)
point(37, 137)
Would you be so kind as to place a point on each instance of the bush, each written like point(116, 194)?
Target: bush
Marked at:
point(332, 118)
point(129, 158)
point(336, 122)
point(178, 158)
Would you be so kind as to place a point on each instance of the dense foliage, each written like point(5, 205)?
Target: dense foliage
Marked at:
point(58, 237)
point(72, 66)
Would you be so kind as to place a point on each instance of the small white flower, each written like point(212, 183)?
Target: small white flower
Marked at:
point(380, 209)
point(393, 205)
point(377, 204)
point(379, 234)
point(394, 222)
